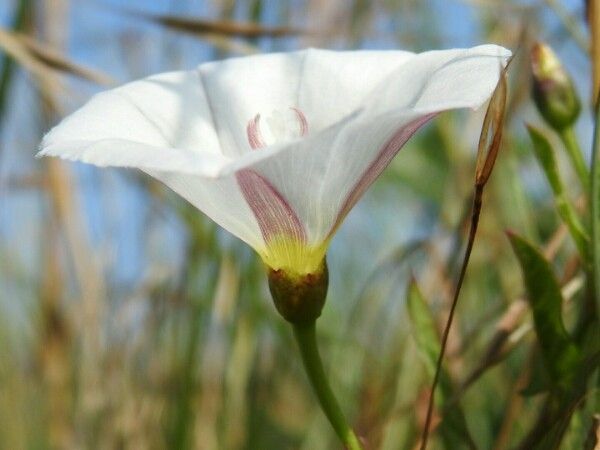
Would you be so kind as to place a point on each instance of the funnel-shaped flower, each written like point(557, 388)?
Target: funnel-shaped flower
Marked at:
point(277, 148)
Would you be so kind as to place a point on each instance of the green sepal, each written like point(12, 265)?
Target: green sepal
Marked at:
point(299, 298)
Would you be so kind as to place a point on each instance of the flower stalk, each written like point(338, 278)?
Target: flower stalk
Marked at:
point(305, 335)
point(299, 298)
point(545, 155)
point(569, 139)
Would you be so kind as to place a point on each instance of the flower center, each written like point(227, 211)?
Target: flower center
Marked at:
point(278, 127)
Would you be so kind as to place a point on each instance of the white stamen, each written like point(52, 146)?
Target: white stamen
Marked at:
point(278, 127)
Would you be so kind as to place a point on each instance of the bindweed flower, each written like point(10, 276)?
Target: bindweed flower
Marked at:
point(277, 148)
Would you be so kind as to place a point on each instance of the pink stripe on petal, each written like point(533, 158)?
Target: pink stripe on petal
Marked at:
point(384, 157)
point(273, 213)
point(302, 120)
point(255, 138)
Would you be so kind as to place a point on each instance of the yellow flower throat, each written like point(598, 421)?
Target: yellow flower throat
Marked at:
point(293, 256)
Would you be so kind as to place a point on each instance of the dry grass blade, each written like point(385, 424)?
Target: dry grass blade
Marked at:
point(510, 330)
point(42, 61)
point(54, 59)
point(593, 439)
point(219, 27)
point(227, 44)
point(14, 48)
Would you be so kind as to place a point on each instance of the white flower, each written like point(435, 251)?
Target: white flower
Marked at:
point(277, 148)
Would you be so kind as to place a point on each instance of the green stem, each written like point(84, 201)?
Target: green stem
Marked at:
point(305, 335)
point(595, 207)
point(569, 139)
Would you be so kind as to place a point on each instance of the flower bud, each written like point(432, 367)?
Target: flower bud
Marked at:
point(553, 90)
point(299, 298)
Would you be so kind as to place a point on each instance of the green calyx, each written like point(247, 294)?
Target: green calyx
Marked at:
point(299, 298)
point(553, 89)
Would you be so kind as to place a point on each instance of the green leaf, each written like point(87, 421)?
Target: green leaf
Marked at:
point(545, 156)
point(453, 428)
point(562, 358)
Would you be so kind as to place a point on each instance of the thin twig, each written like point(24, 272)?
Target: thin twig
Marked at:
point(477, 202)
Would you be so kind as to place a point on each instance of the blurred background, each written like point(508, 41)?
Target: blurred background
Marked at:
point(128, 320)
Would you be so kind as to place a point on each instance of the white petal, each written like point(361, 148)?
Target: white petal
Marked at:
point(337, 84)
point(439, 80)
point(166, 110)
point(325, 85)
point(356, 103)
point(221, 200)
point(324, 175)
point(163, 126)
point(124, 153)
